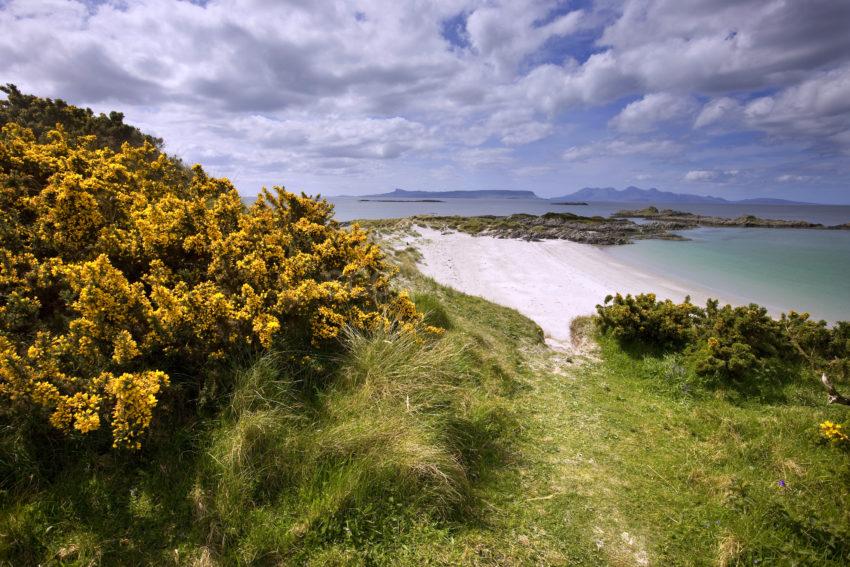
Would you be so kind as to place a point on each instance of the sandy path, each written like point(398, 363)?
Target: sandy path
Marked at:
point(551, 282)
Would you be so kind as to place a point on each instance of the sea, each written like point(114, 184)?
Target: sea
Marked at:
point(783, 269)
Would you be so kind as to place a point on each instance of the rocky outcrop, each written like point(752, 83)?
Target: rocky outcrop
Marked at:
point(690, 220)
point(554, 226)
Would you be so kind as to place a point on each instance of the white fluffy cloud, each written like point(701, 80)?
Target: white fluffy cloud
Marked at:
point(816, 109)
point(651, 111)
point(388, 90)
point(710, 175)
point(503, 34)
point(790, 178)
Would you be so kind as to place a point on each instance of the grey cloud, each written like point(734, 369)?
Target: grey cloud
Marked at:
point(261, 75)
point(702, 46)
point(816, 110)
point(710, 175)
point(335, 88)
point(93, 76)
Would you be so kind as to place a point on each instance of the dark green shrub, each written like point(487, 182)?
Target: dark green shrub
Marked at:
point(825, 349)
point(41, 115)
point(729, 344)
point(733, 343)
point(642, 318)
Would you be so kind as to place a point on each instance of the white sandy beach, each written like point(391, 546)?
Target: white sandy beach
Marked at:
point(551, 282)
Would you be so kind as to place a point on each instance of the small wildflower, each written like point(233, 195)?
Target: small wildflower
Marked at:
point(834, 433)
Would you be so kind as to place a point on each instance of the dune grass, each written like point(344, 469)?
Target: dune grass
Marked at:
point(397, 439)
point(482, 447)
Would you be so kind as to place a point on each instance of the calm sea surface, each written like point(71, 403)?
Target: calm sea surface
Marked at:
point(805, 270)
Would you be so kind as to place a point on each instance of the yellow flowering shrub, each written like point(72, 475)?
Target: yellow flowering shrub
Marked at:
point(834, 433)
point(119, 266)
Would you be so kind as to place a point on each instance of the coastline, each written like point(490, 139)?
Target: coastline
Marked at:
point(551, 282)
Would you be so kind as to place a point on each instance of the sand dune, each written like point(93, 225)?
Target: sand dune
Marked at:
point(551, 282)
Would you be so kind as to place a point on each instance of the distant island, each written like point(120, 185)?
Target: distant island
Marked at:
point(637, 195)
point(478, 194)
point(630, 194)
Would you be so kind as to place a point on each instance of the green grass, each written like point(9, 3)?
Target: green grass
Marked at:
point(394, 449)
point(698, 472)
point(482, 447)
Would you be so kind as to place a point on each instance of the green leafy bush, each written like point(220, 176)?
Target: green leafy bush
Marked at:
point(825, 348)
point(727, 344)
point(732, 343)
point(642, 318)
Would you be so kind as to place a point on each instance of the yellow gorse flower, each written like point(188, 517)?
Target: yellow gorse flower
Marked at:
point(834, 432)
point(113, 263)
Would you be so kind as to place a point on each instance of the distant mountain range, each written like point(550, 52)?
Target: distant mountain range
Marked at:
point(604, 194)
point(637, 195)
point(480, 194)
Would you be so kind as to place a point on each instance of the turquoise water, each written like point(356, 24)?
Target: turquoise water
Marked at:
point(804, 270)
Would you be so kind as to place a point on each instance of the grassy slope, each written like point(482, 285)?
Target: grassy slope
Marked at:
point(511, 455)
point(659, 473)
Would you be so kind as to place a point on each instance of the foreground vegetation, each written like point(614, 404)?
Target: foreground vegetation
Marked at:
point(446, 434)
point(741, 347)
point(126, 276)
point(509, 454)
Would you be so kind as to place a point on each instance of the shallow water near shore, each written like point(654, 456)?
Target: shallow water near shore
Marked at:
point(783, 269)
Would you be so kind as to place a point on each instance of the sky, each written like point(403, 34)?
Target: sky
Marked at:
point(733, 98)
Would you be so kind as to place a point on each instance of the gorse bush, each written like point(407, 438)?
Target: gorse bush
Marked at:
point(825, 348)
point(643, 318)
point(118, 265)
point(733, 342)
point(727, 344)
point(41, 115)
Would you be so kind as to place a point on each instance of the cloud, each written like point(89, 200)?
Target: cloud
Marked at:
point(651, 111)
point(816, 110)
point(789, 178)
point(506, 32)
point(533, 170)
point(332, 93)
point(723, 110)
point(336, 136)
point(480, 157)
point(552, 88)
point(717, 45)
point(645, 148)
point(710, 175)
point(705, 47)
